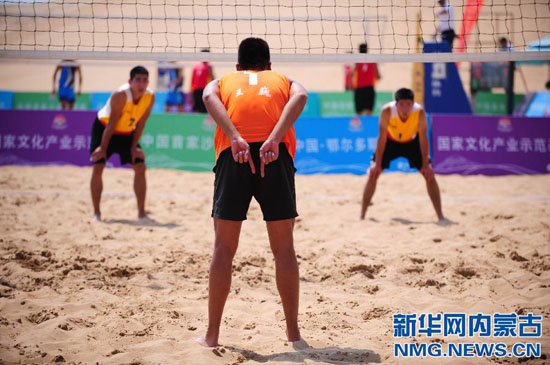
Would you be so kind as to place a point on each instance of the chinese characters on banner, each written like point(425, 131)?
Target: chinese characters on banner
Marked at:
point(490, 145)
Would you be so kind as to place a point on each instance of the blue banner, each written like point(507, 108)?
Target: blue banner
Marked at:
point(339, 145)
point(443, 90)
point(312, 108)
point(6, 99)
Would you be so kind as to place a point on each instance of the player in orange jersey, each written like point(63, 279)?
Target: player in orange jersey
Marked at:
point(255, 109)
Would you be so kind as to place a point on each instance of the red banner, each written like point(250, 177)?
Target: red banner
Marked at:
point(471, 12)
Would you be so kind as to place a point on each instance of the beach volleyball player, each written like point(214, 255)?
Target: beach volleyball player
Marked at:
point(255, 109)
point(117, 129)
point(403, 132)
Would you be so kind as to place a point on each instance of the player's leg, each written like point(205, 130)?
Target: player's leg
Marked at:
point(369, 189)
point(434, 193)
point(370, 95)
point(219, 283)
point(140, 187)
point(413, 154)
point(96, 182)
point(232, 196)
point(96, 187)
point(276, 194)
point(286, 272)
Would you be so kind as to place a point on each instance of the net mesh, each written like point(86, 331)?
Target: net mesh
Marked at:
point(291, 27)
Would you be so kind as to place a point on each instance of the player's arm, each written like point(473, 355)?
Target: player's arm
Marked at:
point(378, 75)
point(269, 151)
point(180, 76)
point(79, 71)
point(57, 69)
point(134, 150)
point(292, 110)
point(239, 147)
point(424, 145)
point(382, 135)
point(118, 99)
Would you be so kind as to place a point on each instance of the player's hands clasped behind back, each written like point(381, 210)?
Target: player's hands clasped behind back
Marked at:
point(241, 152)
point(269, 152)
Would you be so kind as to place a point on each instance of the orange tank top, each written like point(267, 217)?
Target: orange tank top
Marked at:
point(254, 101)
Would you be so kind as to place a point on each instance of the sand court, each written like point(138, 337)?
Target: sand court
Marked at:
point(123, 291)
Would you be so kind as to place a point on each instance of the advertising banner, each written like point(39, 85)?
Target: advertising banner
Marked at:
point(42, 137)
point(490, 145)
point(45, 101)
point(338, 145)
point(30, 137)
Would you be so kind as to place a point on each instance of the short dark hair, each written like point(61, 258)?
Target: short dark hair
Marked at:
point(254, 54)
point(547, 85)
point(138, 70)
point(404, 94)
point(363, 48)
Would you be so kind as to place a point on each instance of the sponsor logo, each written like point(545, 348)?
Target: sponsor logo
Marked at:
point(59, 122)
point(504, 125)
point(355, 125)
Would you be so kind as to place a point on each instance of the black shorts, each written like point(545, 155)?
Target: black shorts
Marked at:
point(409, 150)
point(235, 185)
point(119, 143)
point(364, 98)
point(198, 104)
point(448, 36)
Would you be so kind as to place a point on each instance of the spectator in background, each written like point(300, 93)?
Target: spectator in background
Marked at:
point(202, 75)
point(175, 97)
point(504, 45)
point(364, 78)
point(348, 76)
point(446, 22)
point(69, 69)
point(161, 76)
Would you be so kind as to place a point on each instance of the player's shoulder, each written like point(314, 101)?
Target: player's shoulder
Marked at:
point(386, 108)
point(418, 108)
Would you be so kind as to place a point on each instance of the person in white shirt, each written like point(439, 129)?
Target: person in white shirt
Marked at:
point(446, 22)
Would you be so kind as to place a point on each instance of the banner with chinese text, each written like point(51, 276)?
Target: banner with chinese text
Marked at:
point(29, 137)
point(40, 137)
point(338, 146)
point(490, 145)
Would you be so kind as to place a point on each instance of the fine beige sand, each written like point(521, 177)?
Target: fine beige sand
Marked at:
point(124, 292)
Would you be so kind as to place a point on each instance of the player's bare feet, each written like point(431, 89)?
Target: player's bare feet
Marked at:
point(206, 343)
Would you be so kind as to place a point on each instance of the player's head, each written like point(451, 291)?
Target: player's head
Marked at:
point(254, 55)
point(503, 42)
point(363, 48)
point(139, 79)
point(404, 101)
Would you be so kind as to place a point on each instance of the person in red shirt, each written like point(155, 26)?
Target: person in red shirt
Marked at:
point(202, 75)
point(255, 109)
point(364, 78)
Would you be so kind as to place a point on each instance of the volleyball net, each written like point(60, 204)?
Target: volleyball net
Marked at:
point(296, 30)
